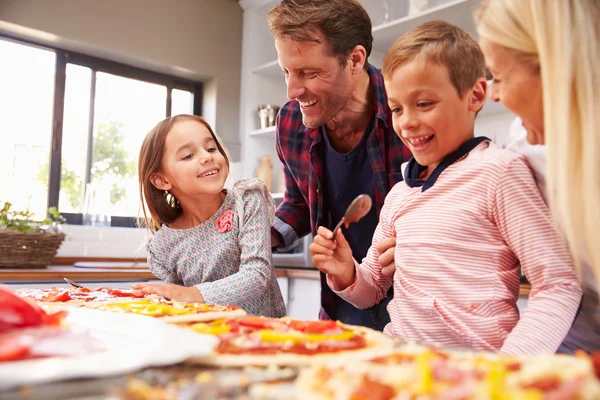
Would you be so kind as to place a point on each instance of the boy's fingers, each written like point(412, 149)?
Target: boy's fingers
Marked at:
point(321, 241)
point(318, 249)
point(326, 233)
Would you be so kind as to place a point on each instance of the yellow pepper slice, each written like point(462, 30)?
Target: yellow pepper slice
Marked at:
point(211, 329)
point(425, 382)
point(273, 336)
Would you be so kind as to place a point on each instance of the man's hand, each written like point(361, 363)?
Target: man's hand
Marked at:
point(171, 292)
point(386, 249)
point(333, 257)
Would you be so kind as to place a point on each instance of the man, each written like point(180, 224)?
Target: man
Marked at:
point(335, 136)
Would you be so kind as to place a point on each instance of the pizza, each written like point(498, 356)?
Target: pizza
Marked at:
point(28, 332)
point(419, 372)
point(264, 341)
point(170, 310)
point(78, 295)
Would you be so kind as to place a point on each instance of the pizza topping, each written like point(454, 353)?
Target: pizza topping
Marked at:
point(544, 385)
point(370, 389)
point(16, 312)
point(155, 308)
point(298, 337)
point(57, 295)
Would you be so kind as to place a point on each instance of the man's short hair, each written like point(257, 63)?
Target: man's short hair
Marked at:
point(343, 24)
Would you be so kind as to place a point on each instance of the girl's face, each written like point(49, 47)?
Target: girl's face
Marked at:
point(518, 86)
point(192, 165)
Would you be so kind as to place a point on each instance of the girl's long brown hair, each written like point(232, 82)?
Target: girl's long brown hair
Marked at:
point(158, 207)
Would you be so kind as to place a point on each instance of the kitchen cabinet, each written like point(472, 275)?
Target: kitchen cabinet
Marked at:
point(262, 81)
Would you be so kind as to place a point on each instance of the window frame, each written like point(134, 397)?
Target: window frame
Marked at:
point(96, 64)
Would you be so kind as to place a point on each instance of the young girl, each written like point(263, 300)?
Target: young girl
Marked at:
point(210, 245)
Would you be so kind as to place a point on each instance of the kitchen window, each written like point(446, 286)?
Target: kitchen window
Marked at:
point(72, 127)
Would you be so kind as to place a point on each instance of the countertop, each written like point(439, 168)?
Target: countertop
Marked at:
point(139, 273)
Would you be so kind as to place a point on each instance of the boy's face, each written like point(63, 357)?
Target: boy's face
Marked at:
point(428, 114)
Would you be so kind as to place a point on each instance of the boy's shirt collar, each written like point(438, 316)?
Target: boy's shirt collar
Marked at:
point(413, 169)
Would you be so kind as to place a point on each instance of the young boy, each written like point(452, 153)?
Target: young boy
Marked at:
point(470, 213)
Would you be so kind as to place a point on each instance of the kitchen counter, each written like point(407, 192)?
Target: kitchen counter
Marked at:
point(55, 273)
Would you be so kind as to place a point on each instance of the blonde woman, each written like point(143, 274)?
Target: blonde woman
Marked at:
point(544, 56)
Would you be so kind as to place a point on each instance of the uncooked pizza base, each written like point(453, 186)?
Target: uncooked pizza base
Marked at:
point(376, 343)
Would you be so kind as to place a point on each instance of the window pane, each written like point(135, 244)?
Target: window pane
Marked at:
point(125, 111)
point(75, 138)
point(26, 102)
point(182, 102)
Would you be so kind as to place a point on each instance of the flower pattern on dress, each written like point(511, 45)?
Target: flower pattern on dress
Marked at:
point(225, 221)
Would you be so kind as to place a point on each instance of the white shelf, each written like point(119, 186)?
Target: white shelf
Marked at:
point(277, 196)
point(457, 12)
point(270, 70)
point(268, 132)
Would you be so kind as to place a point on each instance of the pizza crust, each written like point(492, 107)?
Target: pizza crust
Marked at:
point(377, 343)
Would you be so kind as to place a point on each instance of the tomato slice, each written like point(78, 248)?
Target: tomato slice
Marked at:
point(14, 346)
point(61, 296)
point(256, 322)
point(16, 312)
point(313, 326)
point(123, 293)
point(55, 318)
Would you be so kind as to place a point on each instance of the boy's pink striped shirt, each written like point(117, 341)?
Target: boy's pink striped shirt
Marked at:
point(459, 257)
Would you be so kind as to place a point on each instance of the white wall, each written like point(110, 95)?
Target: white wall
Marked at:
point(195, 39)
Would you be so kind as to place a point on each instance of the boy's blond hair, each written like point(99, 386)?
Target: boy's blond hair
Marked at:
point(441, 43)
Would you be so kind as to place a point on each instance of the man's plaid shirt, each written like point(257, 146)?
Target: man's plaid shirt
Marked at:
point(300, 150)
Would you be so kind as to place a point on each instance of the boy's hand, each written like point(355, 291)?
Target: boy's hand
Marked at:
point(170, 291)
point(333, 257)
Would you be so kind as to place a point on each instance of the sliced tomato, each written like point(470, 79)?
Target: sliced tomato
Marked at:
point(59, 297)
point(256, 322)
point(14, 346)
point(123, 293)
point(17, 312)
point(55, 318)
point(313, 326)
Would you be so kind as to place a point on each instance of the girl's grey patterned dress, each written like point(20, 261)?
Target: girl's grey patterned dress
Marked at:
point(229, 265)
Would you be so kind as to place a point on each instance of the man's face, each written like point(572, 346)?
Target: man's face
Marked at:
point(315, 79)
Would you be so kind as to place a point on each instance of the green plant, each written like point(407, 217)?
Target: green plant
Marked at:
point(23, 221)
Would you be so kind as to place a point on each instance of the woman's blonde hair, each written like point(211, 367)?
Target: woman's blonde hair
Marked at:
point(158, 206)
point(562, 38)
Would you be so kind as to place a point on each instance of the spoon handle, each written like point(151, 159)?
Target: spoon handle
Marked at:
point(72, 283)
point(337, 228)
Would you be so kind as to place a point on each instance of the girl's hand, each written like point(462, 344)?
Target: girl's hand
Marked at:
point(333, 257)
point(171, 292)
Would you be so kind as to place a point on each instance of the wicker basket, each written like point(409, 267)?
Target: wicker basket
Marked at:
point(28, 250)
